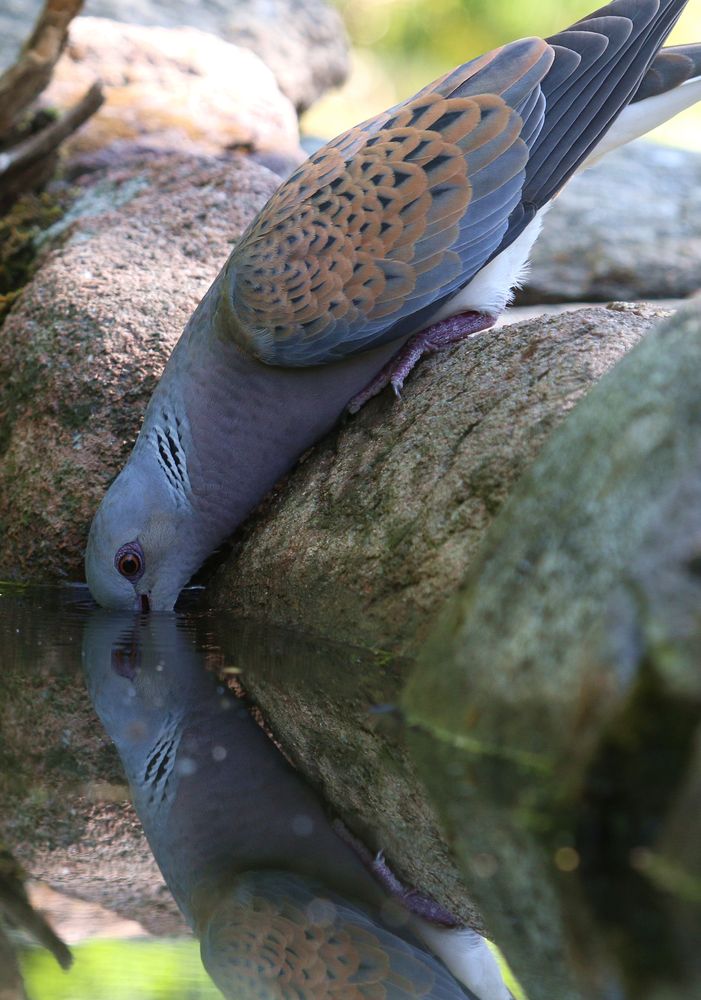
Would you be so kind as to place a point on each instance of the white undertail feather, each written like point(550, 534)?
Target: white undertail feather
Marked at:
point(492, 288)
point(469, 958)
point(637, 119)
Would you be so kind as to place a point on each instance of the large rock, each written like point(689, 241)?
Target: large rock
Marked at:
point(370, 535)
point(88, 339)
point(560, 695)
point(604, 528)
point(302, 41)
point(171, 88)
point(627, 228)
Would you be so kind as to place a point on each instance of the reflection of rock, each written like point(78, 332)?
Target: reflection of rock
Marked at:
point(83, 347)
point(78, 920)
point(302, 41)
point(380, 524)
point(628, 228)
point(321, 699)
point(11, 984)
point(570, 659)
point(19, 915)
point(174, 88)
point(16, 908)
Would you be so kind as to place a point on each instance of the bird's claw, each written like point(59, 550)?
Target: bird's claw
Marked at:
point(434, 338)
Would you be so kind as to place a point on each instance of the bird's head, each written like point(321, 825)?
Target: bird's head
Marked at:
point(136, 557)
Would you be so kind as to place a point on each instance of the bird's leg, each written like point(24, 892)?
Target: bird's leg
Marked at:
point(433, 338)
point(418, 903)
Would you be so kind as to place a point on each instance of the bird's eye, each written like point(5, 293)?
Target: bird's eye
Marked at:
point(130, 561)
point(129, 564)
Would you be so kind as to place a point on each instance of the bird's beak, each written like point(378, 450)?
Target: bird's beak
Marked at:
point(142, 603)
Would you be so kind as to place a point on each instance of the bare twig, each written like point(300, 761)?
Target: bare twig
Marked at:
point(11, 985)
point(15, 905)
point(42, 143)
point(31, 161)
point(23, 82)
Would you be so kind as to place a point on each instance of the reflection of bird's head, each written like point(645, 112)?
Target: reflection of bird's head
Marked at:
point(142, 673)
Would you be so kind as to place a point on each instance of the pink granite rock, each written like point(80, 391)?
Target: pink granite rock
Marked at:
point(172, 88)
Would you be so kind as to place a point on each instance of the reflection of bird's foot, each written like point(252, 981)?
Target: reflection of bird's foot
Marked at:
point(416, 902)
point(434, 338)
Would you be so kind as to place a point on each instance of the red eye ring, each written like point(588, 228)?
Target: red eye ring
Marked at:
point(129, 561)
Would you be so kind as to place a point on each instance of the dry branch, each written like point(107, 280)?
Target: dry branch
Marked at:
point(23, 82)
point(28, 157)
point(32, 161)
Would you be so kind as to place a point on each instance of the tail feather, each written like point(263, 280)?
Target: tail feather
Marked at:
point(670, 68)
point(584, 99)
point(661, 99)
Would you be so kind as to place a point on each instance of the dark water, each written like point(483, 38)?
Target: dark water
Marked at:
point(98, 710)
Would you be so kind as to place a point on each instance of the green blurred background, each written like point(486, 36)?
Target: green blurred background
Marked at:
point(400, 45)
point(148, 969)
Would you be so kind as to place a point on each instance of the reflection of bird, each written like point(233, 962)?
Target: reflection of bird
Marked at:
point(403, 235)
point(283, 906)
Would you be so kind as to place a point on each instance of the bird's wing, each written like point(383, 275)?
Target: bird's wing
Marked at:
point(278, 936)
point(369, 236)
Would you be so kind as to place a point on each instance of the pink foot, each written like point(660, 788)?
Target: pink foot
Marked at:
point(448, 331)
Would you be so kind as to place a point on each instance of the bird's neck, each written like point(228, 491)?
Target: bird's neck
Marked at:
point(243, 423)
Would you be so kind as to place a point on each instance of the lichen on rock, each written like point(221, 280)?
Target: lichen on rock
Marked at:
point(20, 239)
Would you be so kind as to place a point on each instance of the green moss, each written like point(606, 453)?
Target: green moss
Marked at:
point(19, 232)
